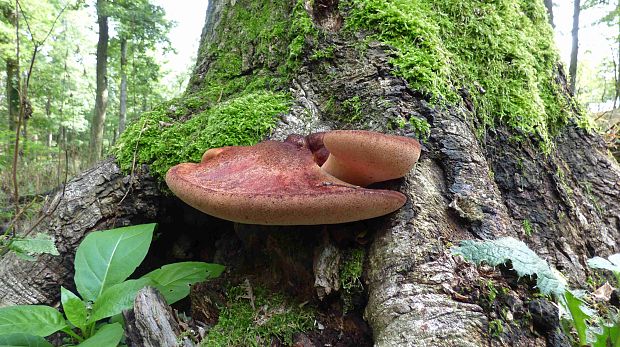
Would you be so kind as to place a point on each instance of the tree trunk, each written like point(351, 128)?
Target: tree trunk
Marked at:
point(122, 116)
point(12, 77)
point(101, 98)
point(574, 52)
point(12, 94)
point(617, 64)
point(473, 181)
point(549, 6)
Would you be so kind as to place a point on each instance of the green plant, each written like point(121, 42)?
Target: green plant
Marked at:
point(549, 281)
point(524, 261)
point(25, 247)
point(613, 265)
point(496, 327)
point(103, 262)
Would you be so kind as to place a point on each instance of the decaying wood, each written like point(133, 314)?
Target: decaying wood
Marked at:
point(91, 202)
point(151, 323)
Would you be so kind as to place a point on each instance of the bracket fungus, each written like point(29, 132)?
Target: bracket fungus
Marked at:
point(282, 183)
point(365, 157)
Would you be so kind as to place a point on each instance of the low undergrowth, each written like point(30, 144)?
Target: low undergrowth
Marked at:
point(258, 318)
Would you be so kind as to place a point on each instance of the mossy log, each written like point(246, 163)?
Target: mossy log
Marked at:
point(487, 168)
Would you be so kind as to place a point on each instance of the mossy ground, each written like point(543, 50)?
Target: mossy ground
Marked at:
point(499, 53)
point(272, 317)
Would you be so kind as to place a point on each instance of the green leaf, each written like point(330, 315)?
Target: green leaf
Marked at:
point(42, 243)
point(23, 340)
point(602, 263)
point(613, 264)
point(117, 298)
point(74, 308)
point(524, 261)
point(19, 253)
point(108, 257)
point(109, 335)
point(579, 312)
point(609, 335)
point(35, 320)
point(173, 280)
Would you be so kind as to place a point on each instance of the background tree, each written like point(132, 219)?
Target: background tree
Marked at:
point(95, 148)
point(142, 26)
point(574, 53)
point(549, 6)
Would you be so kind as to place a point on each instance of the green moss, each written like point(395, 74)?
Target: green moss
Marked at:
point(351, 276)
point(527, 227)
point(496, 328)
point(326, 53)
point(157, 139)
point(421, 127)
point(501, 52)
point(272, 317)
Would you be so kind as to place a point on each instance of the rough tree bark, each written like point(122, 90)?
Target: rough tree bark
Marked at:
point(465, 186)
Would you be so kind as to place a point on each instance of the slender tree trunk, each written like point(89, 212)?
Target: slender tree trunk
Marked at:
point(572, 69)
point(122, 116)
point(101, 100)
point(12, 78)
point(549, 6)
point(12, 93)
point(617, 63)
point(48, 113)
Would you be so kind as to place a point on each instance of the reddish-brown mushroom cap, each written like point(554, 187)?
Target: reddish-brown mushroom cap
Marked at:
point(274, 183)
point(364, 157)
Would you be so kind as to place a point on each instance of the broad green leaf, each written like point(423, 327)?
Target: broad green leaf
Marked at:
point(106, 258)
point(117, 298)
point(35, 320)
point(74, 307)
point(579, 312)
point(107, 336)
point(524, 261)
point(23, 340)
point(173, 280)
point(42, 243)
